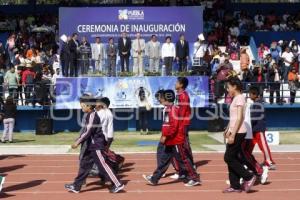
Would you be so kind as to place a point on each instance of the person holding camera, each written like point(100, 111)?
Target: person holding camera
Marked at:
point(274, 83)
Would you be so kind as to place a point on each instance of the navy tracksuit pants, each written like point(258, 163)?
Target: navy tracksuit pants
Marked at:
point(165, 154)
point(87, 160)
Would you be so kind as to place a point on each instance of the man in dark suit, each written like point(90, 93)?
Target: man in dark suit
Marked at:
point(74, 45)
point(111, 52)
point(124, 47)
point(65, 56)
point(182, 53)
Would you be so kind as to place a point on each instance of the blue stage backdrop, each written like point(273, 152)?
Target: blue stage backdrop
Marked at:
point(111, 21)
point(124, 92)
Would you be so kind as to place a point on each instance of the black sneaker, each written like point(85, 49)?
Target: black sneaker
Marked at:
point(72, 188)
point(115, 189)
point(149, 179)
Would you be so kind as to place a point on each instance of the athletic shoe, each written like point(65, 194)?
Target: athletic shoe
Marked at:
point(115, 189)
point(231, 190)
point(272, 167)
point(164, 175)
point(241, 181)
point(2, 180)
point(177, 177)
point(264, 176)
point(192, 183)
point(72, 188)
point(149, 179)
point(248, 184)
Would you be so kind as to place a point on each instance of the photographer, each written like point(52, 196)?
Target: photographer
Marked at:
point(274, 82)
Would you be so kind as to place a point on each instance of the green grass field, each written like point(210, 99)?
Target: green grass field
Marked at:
point(124, 141)
point(130, 141)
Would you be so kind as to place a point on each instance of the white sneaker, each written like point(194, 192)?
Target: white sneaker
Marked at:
point(265, 175)
point(192, 183)
point(2, 180)
point(164, 175)
point(174, 176)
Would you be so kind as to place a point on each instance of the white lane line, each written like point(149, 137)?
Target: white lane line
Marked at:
point(137, 172)
point(138, 166)
point(148, 191)
point(126, 159)
point(142, 181)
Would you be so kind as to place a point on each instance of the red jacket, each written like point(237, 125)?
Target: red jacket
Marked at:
point(183, 101)
point(172, 127)
point(25, 74)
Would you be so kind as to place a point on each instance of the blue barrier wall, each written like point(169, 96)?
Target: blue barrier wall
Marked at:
point(265, 8)
point(278, 117)
point(268, 37)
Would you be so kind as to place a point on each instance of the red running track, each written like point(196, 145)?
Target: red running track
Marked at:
point(43, 177)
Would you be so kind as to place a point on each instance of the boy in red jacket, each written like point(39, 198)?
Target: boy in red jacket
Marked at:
point(172, 138)
point(183, 102)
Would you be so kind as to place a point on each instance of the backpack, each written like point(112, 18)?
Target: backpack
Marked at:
point(29, 79)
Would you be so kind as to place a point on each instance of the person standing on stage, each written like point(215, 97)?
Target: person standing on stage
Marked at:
point(65, 55)
point(168, 54)
point(138, 47)
point(74, 47)
point(111, 52)
point(98, 51)
point(182, 53)
point(153, 51)
point(85, 55)
point(124, 47)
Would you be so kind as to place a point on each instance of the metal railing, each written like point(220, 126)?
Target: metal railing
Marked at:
point(266, 88)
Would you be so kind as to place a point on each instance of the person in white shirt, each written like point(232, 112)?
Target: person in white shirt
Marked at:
point(200, 48)
point(288, 58)
point(138, 48)
point(144, 107)
point(53, 81)
point(106, 119)
point(153, 51)
point(168, 53)
point(98, 54)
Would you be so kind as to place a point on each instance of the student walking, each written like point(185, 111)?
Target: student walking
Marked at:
point(235, 136)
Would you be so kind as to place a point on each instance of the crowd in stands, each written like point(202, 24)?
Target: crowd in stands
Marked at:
point(220, 24)
point(29, 59)
point(278, 64)
point(33, 55)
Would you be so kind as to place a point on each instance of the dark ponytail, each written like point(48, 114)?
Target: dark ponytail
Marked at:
point(235, 81)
